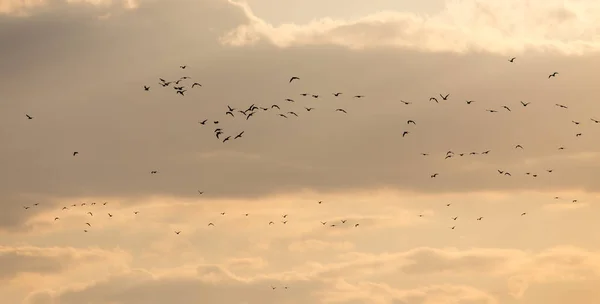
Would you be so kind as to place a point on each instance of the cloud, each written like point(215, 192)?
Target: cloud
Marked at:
point(505, 27)
point(349, 282)
point(15, 261)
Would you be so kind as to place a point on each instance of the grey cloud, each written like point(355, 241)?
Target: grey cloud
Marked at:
point(21, 260)
point(92, 102)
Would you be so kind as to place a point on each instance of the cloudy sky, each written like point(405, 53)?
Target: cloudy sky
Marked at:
point(385, 230)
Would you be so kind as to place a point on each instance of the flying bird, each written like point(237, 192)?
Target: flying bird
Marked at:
point(146, 88)
point(28, 117)
point(444, 97)
point(525, 103)
point(552, 75)
point(341, 110)
point(337, 94)
point(294, 78)
point(75, 153)
point(512, 59)
point(239, 135)
point(196, 84)
point(405, 133)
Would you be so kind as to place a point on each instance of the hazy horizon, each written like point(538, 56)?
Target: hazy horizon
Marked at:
point(469, 235)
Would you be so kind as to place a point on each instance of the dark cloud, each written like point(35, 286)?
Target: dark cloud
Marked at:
point(19, 260)
point(85, 92)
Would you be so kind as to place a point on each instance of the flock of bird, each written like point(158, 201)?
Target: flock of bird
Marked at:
point(182, 85)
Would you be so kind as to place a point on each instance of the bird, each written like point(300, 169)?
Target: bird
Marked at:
point(518, 146)
point(492, 111)
point(524, 213)
point(146, 88)
point(89, 224)
point(110, 215)
point(434, 175)
point(359, 96)
point(153, 172)
point(289, 99)
point(525, 103)
point(203, 122)
point(177, 232)
point(211, 224)
point(512, 59)
point(239, 135)
point(594, 120)
point(28, 116)
point(341, 110)
point(470, 101)
point(444, 97)
point(337, 94)
point(275, 107)
point(561, 106)
point(90, 213)
point(56, 218)
point(405, 102)
point(294, 78)
point(434, 99)
point(229, 113)
point(356, 225)
point(411, 122)
point(507, 108)
point(309, 109)
point(196, 84)
point(200, 192)
point(75, 153)
point(455, 218)
point(293, 114)
point(552, 75)
point(405, 133)
point(183, 67)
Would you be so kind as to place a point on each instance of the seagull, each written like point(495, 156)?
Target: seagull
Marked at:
point(562, 106)
point(90, 213)
point(110, 215)
point(211, 224)
point(480, 218)
point(239, 135)
point(524, 213)
point(359, 96)
point(88, 224)
point(294, 78)
point(341, 110)
point(405, 133)
point(405, 102)
point(275, 106)
point(470, 101)
point(525, 103)
point(177, 232)
point(75, 153)
point(337, 94)
point(512, 59)
point(200, 192)
point(56, 218)
point(492, 111)
point(434, 175)
point(309, 109)
point(196, 84)
point(552, 75)
point(518, 146)
point(28, 117)
point(203, 122)
point(434, 99)
point(146, 88)
point(444, 97)
point(183, 67)
point(411, 122)
point(507, 108)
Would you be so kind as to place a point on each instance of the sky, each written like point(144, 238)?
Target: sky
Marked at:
point(332, 207)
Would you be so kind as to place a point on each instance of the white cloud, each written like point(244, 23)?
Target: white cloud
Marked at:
point(503, 27)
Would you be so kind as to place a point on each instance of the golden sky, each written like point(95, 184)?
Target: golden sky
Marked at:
point(468, 236)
